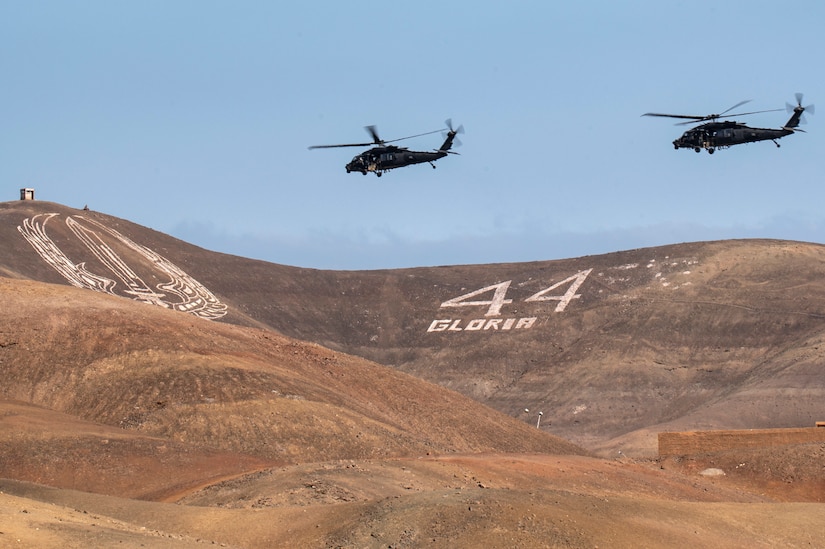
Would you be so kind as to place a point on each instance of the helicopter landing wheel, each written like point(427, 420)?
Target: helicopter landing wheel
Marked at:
point(378, 174)
point(697, 149)
point(710, 151)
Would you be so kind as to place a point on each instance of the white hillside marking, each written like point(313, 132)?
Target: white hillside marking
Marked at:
point(77, 275)
point(576, 280)
point(192, 296)
point(499, 300)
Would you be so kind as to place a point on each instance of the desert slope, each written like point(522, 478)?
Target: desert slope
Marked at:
point(610, 348)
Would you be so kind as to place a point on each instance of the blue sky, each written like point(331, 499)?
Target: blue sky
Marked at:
point(194, 117)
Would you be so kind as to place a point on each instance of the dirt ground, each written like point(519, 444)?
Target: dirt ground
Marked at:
point(447, 501)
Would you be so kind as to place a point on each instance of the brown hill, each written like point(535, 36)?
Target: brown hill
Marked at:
point(115, 362)
point(610, 348)
point(239, 395)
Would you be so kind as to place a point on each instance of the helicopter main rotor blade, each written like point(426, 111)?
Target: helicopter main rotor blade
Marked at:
point(730, 109)
point(343, 145)
point(723, 115)
point(752, 112)
point(691, 117)
point(370, 129)
point(729, 116)
point(376, 139)
point(374, 133)
point(703, 118)
point(411, 136)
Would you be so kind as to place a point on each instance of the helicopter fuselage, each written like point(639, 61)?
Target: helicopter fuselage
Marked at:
point(720, 135)
point(381, 159)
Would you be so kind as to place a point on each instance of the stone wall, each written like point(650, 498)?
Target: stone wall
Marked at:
point(700, 442)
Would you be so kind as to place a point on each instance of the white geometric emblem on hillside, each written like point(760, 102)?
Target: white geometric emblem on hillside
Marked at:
point(191, 296)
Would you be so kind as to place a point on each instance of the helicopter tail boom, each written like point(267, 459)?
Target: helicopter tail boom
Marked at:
point(793, 122)
point(448, 143)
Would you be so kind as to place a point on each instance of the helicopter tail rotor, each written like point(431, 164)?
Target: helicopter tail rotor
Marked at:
point(796, 113)
point(810, 108)
point(449, 124)
point(450, 137)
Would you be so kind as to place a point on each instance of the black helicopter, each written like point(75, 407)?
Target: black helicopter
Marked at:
point(723, 134)
point(384, 157)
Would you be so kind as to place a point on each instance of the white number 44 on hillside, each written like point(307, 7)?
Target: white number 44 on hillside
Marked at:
point(500, 292)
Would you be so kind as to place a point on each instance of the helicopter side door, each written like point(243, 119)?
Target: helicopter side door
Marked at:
point(387, 160)
point(727, 136)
